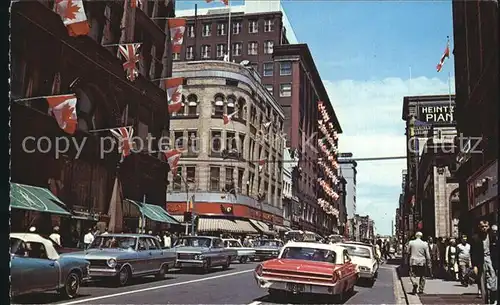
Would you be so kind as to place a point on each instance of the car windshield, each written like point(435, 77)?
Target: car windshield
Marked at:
point(309, 254)
point(358, 251)
point(194, 242)
point(113, 242)
point(269, 243)
point(231, 244)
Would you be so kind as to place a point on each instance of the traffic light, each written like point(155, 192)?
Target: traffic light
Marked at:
point(188, 216)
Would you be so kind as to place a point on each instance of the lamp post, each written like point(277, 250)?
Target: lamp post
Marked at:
point(187, 205)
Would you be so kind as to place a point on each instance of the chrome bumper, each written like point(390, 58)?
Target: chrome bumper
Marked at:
point(366, 274)
point(94, 273)
point(189, 263)
point(267, 283)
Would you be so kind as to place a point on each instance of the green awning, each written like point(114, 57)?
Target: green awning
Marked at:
point(34, 198)
point(154, 212)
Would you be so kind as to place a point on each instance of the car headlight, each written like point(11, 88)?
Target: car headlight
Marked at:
point(198, 257)
point(362, 268)
point(275, 253)
point(111, 263)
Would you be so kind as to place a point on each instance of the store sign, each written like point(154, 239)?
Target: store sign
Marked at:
point(437, 114)
point(484, 186)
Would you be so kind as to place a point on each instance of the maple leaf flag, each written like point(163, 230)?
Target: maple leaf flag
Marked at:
point(228, 117)
point(63, 108)
point(174, 94)
point(177, 28)
point(226, 2)
point(261, 164)
point(446, 54)
point(73, 16)
point(129, 52)
point(135, 3)
point(173, 156)
point(124, 136)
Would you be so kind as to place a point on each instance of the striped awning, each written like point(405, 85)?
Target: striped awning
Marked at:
point(220, 225)
point(246, 226)
point(281, 228)
point(179, 218)
point(263, 227)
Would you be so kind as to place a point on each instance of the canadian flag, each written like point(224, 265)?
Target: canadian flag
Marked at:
point(135, 3)
point(226, 2)
point(446, 54)
point(177, 28)
point(261, 164)
point(173, 156)
point(124, 136)
point(63, 108)
point(228, 117)
point(129, 52)
point(73, 16)
point(174, 94)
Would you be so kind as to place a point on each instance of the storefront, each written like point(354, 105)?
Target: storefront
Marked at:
point(483, 193)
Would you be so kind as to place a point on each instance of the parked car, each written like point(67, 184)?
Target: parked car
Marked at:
point(312, 268)
point(37, 267)
point(120, 257)
point(267, 248)
point(243, 254)
point(364, 257)
point(203, 252)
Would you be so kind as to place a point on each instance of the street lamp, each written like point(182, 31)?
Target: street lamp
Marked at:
point(187, 205)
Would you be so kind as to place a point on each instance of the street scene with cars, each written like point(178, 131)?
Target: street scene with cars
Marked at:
point(253, 152)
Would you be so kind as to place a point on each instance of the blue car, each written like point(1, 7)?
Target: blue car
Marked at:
point(37, 267)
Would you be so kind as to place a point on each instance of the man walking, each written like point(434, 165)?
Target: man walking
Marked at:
point(419, 261)
point(434, 253)
point(483, 252)
point(464, 261)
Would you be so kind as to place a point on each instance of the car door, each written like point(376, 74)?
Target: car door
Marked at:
point(349, 270)
point(156, 254)
point(144, 256)
point(218, 251)
point(37, 271)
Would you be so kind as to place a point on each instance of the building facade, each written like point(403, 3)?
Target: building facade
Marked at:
point(234, 170)
point(349, 172)
point(476, 45)
point(47, 62)
point(290, 201)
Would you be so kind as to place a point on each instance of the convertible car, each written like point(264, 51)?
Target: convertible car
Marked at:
point(37, 267)
point(308, 268)
point(122, 256)
point(203, 252)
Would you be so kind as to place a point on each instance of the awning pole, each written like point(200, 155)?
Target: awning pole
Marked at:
point(143, 229)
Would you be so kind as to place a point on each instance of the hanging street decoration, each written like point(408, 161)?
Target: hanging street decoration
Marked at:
point(73, 16)
point(177, 28)
point(63, 108)
point(135, 3)
point(174, 94)
point(124, 136)
point(228, 117)
point(129, 52)
point(173, 156)
point(261, 164)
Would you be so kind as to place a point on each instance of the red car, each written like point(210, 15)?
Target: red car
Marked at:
point(308, 268)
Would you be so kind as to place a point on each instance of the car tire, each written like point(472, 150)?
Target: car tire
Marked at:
point(243, 259)
point(161, 274)
point(227, 264)
point(206, 266)
point(123, 277)
point(71, 285)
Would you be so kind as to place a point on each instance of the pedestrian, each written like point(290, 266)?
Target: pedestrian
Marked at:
point(419, 260)
point(378, 249)
point(464, 261)
point(434, 253)
point(387, 250)
point(75, 238)
point(88, 238)
point(167, 240)
point(55, 235)
point(32, 229)
point(483, 249)
point(451, 260)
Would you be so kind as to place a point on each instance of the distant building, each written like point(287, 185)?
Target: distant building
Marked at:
point(349, 172)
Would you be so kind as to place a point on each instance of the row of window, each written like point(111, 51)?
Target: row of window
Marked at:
point(221, 50)
point(253, 27)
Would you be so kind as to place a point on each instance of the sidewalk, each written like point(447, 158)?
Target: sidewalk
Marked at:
point(438, 291)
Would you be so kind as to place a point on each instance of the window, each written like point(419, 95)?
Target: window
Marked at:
point(189, 52)
point(221, 29)
point(221, 50)
point(268, 69)
point(241, 141)
point(230, 104)
point(179, 140)
point(268, 47)
point(229, 175)
point(176, 56)
point(285, 90)
point(207, 30)
point(193, 142)
point(269, 88)
point(269, 25)
point(216, 141)
point(237, 49)
point(236, 27)
point(253, 26)
point(273, 190)
point(242, 108)
point(205, 51)
point(241, 173)
point(231, 141)
point(190, 30)
point(253, 48)
point(214, 178)
point(219, 105)
point(177, 180)
point(286, 68)
point(190, 174)
point(192, 104)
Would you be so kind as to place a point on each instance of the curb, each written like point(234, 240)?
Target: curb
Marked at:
point(400, 288)
point(410, 299)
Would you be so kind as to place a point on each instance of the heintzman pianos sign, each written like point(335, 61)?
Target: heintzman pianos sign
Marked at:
point(439, 113)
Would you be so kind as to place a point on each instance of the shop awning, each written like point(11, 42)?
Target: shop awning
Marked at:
point(179, 218)
point(263, 227)
point(246, 226)
point(34, 198)
point(220, 225)
point(154, 212)
point(281, 228)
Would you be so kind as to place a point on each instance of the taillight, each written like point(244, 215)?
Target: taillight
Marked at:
point(336, 276)
point(258, 270)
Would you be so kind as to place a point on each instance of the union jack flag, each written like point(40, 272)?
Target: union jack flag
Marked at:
point(124, 136)
point(129, 52)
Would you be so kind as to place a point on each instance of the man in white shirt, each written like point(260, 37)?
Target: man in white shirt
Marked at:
point(55, 236)
point(463, 260)
point(167, 241)
point(88, 239)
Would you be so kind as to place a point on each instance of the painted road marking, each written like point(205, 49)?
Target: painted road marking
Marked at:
point(255, 303)
point(156, 288)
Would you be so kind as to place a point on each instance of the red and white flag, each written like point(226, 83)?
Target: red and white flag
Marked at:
point(226, 2)
point(173, 156)
point(228, 117)
point(124, 136)
point(174, 94)
point(446, 54)
point(73, 16)
point(177, 28)
point(129, 52)
point(135, 3)
point(335, 135)
point(335, 196)
point(63, 108)
point(261, 164)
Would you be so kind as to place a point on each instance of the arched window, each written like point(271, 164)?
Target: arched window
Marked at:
point(192, 103)
point(219, 104)
point(231, 104)
point(242, 108)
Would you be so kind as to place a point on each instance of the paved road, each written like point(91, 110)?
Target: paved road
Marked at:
point(233, 286)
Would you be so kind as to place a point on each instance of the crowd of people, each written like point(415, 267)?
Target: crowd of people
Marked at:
point(470, 261)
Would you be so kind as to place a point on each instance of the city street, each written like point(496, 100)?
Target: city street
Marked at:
point(234, 286)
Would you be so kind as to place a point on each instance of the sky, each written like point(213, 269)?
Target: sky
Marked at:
point(370, 54)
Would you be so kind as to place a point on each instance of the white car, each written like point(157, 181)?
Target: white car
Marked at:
point(364, 257)
point(243, 254)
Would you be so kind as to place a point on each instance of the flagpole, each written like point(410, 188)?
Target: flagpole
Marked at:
point(229, 30)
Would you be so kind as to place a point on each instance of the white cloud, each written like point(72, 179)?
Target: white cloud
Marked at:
point(370, 115)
